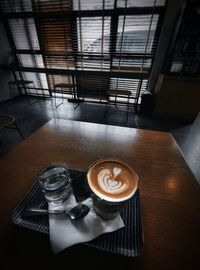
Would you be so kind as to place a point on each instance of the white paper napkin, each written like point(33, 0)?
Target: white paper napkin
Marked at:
point(65, 232)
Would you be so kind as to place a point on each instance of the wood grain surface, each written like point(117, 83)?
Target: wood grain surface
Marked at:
point(170, 196)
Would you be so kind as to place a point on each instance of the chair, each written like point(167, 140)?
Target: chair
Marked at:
point(119, 94)
point(23, 87)
point(8, 121)
point(64, 88)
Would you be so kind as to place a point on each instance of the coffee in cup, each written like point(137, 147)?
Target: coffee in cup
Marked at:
point(112, 183)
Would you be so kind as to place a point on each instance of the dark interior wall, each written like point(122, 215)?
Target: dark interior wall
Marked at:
point(177, 98)
point(5, 76)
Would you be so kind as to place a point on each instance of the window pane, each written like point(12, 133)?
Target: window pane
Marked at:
point(130, 85)
point(138, 35)
point(140, 3)
point(29, 60)
point(91, 30)
point(79, 35)
point(93, 42)
point(93, 4)
point(24, 34)
point(16, 5)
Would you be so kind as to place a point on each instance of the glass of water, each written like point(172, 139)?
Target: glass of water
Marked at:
point(55, 182)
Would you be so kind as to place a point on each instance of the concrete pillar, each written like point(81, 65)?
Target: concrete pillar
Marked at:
point(172, 13)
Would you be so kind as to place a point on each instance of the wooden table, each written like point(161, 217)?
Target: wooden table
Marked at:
point(170, 195)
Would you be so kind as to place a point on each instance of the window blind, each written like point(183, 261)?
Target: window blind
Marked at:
point(116, 39)
point(25, 38)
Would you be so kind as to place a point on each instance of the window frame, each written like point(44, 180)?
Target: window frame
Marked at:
point(114, 15)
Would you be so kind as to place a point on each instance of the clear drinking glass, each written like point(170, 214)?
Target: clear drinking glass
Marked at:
point(55, 182)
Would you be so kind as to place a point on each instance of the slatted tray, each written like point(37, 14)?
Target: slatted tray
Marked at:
point(127, 241)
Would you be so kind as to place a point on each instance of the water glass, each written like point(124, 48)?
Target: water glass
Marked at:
point(55, 182)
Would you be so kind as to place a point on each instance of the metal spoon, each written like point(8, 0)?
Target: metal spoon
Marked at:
point(77, 212)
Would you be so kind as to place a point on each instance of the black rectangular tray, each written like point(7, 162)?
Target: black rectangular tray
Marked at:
point(127, 241)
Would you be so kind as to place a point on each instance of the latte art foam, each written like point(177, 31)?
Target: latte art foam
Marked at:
point(112, 180)
point(108, 183)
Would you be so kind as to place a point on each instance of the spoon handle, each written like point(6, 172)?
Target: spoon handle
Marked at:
point(77, 212)
point(37, 211)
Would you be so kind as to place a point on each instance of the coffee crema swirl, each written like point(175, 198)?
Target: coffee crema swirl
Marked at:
point(108, 183)
point(112, 180)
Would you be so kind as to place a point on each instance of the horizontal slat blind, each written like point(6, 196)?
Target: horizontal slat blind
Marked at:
point(56, 35)
point(92, 86)
point(56, 38)
point(138, 32)
point(93, 4)
point(16, 5)
point(118, 36)
point(131, 85)
point(51, 5)
point(26, 38)
point(93, 43)
point(140, 3)
point(24, 33)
